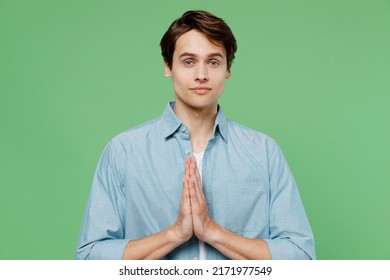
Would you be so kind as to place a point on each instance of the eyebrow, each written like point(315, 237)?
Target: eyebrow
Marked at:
point(209, 56)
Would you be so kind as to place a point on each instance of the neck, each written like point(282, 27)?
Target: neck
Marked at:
point(200, 123)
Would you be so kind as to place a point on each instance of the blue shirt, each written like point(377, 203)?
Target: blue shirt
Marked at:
point(249, 188)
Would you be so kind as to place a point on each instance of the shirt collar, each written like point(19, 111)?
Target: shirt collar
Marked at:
point(172, 123)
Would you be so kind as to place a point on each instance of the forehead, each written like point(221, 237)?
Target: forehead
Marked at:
point(197, 43)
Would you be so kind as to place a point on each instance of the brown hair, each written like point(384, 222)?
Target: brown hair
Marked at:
point(214, 28)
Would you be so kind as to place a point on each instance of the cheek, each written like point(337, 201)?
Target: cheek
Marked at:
point(181, 77)
point(177, 81)
point(220, 80)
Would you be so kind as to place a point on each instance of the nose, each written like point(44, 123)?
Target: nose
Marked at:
point(201, 73)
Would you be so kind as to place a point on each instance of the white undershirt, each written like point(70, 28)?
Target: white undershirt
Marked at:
point(199, 161)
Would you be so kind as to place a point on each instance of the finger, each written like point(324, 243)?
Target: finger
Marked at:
point(197, 200)
point(194, 197)
point(194, 170)
point(197, 174)
point(185, 197)
point(191, 166)
point(193, 189)
point(185, 187)
point(187, 168)
point(198, 180)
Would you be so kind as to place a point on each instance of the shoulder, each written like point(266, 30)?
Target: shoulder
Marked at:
point(137, 133)
point(249, 135)
point(256, 145)
point(122, 144)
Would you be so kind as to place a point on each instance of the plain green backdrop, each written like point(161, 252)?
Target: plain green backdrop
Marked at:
point(314, 75)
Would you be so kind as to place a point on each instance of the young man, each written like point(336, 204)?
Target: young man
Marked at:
point(193, 184)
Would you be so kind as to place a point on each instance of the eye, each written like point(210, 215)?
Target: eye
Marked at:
point(188, 62)
point(214, 63)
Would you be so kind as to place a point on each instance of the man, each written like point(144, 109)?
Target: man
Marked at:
point(193, 184)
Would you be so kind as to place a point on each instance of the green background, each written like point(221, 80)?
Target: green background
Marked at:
point(314, 75)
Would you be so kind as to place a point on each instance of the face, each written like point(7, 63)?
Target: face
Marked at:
point(199, 71)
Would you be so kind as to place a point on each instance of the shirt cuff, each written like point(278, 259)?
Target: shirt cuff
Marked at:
point(111, 249)
point(282, 249)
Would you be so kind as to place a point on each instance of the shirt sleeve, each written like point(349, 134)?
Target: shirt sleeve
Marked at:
point(102, 231)
point(290, 233)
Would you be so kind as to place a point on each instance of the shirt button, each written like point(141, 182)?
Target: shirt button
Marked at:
point(195, 258)
point(188, 152)
point(183, 128)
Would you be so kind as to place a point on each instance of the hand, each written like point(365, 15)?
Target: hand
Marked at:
point(194, 218)
point(203, 225)
point(184, 222)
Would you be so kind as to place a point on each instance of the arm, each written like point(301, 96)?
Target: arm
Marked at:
point(193, 218)
point(236, 247)
point(158, 245)
point(290, 233)
point(228, 243)
point(102, 235)
point(102, 231)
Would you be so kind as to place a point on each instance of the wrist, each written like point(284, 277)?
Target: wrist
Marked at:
point(176, 236)
point(212, 234)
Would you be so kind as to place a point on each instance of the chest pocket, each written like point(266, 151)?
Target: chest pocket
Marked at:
point(239, 201)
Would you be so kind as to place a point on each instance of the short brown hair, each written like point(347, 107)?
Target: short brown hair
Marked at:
point(214, 28)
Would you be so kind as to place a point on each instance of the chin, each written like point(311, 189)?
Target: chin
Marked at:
point(203, 106)
point(198, 101)
point(202, 101)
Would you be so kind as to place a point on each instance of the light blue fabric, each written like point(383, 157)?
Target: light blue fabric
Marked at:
point(137, 188)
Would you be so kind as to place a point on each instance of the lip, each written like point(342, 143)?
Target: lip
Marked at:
point(201, 89)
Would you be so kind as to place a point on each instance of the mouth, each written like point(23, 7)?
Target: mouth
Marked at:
point(201, 90)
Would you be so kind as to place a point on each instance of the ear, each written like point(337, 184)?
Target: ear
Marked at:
point(228, 74)
point(167, 70)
